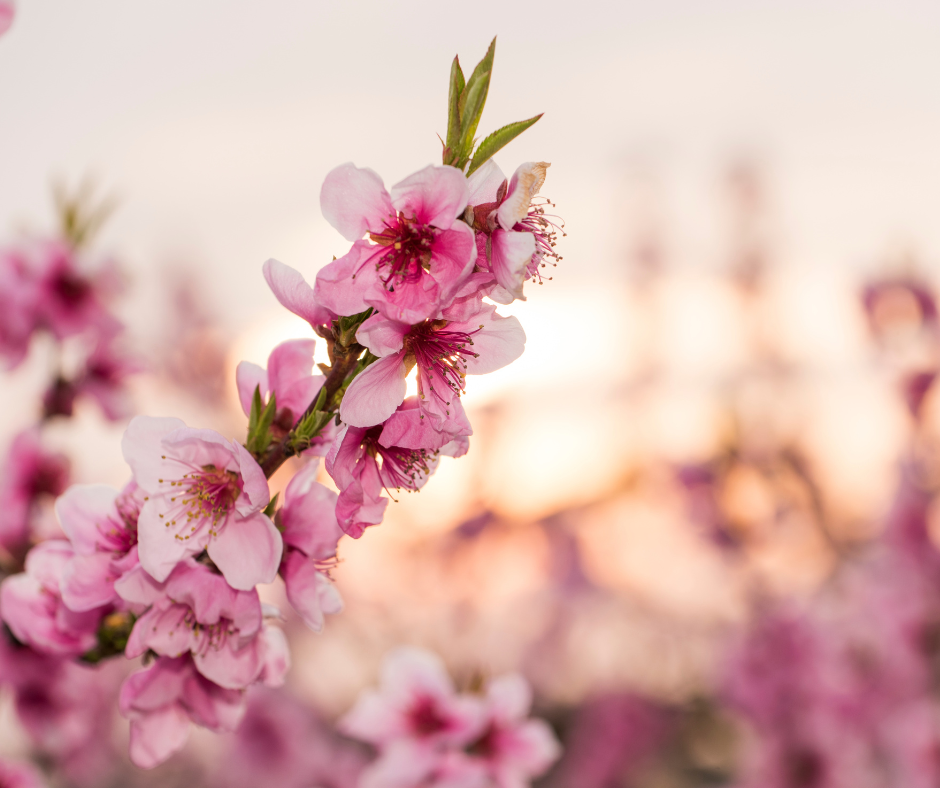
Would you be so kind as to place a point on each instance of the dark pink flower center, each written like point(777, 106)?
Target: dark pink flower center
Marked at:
point(441, 356)
point(407, 252)
point(114, 537)
point(401, 468)
point(425, 719)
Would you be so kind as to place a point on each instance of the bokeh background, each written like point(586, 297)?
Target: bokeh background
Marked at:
point(712, 407)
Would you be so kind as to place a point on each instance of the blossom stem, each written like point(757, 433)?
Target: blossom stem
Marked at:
point(345, 358)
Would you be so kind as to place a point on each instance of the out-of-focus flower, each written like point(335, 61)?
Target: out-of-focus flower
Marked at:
point(19, 774)
point(162, 699)
point(7, 12)
point(31, 605)
point(288, 378)
point(310, 531)
point(30, 474)
point(416, 702)
point(420, 252)
point(203, 492)
point(445, 352)
point(512, 749)
point(281, 742)
point(101, 524)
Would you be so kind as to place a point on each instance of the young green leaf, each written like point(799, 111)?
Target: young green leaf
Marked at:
point(260, 437)
point(497, 140)
point(457, 84)
point(271, 508)
point(255, 414)
point(483, 67)
point(470, 118)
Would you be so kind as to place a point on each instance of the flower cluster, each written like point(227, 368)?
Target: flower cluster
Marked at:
point(429, 735)
point(168, 568)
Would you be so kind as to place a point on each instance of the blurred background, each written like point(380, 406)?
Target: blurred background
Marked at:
point(726, 395)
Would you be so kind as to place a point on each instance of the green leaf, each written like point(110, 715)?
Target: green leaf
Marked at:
point(255, 415)
point(260, 436)
point(470, 118)
point(483, 67)
point(272, 506)
point(457, 84)
point(497, 140)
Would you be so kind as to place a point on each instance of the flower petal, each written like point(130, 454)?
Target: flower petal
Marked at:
point(340, 285)
point(81, 509)
point(294, 294)
point(485, 183)
point(249, 377)
point(434, 195)
point(375, 393)
point(289, 362)
point(354, 200)
point(247, 551)
point(523, 186)
point(88, 582)
point(160, 549)
point(142, 448)
point(510, 253)
point(498, 342)
point(156, 736)
point(381, 335)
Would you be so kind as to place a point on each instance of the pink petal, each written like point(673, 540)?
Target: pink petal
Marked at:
point(381, 335)
point(289, 362)
point(299, 395)
point(230, 668)
point(159, 549)
point(255, 493)
point(156, 736)
point(294, 294)
point(308, 516)
point(309, 591)
point(523, 186)
point(485, 183)
point(142, 447)
point(407, 428)
point(247, 551)
point(498, 342)
point(275, 656)
point(375, 393)
point(453, 254)
point(509, 697)
point(249, 377)
point(81, 509)
point(88, 582)
point(355, 202)
point(138, 588)
point(340, 285)
point(434, 195)
point(510, 253)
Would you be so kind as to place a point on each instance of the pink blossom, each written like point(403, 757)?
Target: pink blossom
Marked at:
point(195, 611)
point(416, 702)
point(7, 12)
point(310, 531)
point(18, 774)
point(514, 234)
point(288, 378)
point(31, 605)
point(203, 492)
point(101, 524)
point(400, 454)
point(30, 474)
point(18, 294)
point(161, 701)
point(512, 749)
point(281, 742)
point(420, 252)
point(444, 352)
